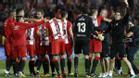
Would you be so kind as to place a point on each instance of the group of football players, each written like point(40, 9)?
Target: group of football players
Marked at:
point(49, 42)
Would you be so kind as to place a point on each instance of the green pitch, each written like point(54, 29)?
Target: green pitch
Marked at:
point(81, 70)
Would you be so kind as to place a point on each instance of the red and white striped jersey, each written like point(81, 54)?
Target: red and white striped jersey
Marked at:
point(57, 28)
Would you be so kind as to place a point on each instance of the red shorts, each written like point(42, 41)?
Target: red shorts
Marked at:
point(20, 52)
point(58, 46)
point(37, 47)
point(7, 47)
point(95, 46)
point(48, 49)
point(43, 50)
point(68, 48)
point(31, 50)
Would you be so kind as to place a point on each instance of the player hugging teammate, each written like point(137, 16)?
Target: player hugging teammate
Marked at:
point(97, 33)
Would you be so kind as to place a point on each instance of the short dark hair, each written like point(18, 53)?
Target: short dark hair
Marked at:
point(18, 10)
point(59, 7)
point(84, 8)
point(93, 10)
point(11, 11)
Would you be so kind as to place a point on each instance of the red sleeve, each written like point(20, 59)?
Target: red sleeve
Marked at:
point(6, 28)
point(7, 25)
point(69, 25)
point(99, 19)
point(29, 25)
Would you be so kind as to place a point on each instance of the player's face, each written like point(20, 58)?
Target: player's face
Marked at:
point(65, 15)
point(13, 14)
point(104, 13)
point(117, 16)
point(95, 14)
point(20, 16)
point(21, 13)
point(58, 14)
point(39, 15)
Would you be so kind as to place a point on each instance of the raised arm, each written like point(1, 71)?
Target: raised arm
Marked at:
point(30, 25)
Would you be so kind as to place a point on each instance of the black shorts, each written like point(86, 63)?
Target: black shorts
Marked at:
point(105, 50)
point(118, 49)
point(81, 45)
point(106, 47)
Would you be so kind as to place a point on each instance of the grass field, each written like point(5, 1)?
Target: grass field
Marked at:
point(81, 70)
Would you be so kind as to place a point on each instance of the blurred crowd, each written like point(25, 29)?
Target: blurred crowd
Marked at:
point(71, 6)
point(112, 23)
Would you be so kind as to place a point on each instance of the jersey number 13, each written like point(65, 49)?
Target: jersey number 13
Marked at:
point(81, 27)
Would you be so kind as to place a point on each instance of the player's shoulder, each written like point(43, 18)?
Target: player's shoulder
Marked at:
point(51, 20)
point(84, 17)
point(69, 22)
point(8, 20)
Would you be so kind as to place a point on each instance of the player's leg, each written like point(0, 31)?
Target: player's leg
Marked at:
point(87, 65)
point(105, 59)
point(21, 65)
point(55, 61)
point(46, 65)
point(112, 63)
point(62, 58)
point(69, 64)
point(50, 56)
point(39, 59)
point(15, 66)
point(52, 65)
point(124, 57)
point(103, 65)
point(15, 61)
point(7, 48)
point(107, 65)
point(129, 65)
point(62, 64)
point(113, 53)
point(69, 58)
point(118, 67)
point(130, 55)
point(45, 61)
point(95, 63)
point(97, 50)
point(38, 63)
point(85, 48)
point(9, 63)
point(31, 64)
point(91, 55)
point(77, 51)
point(55, 54)
point(76, 59)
